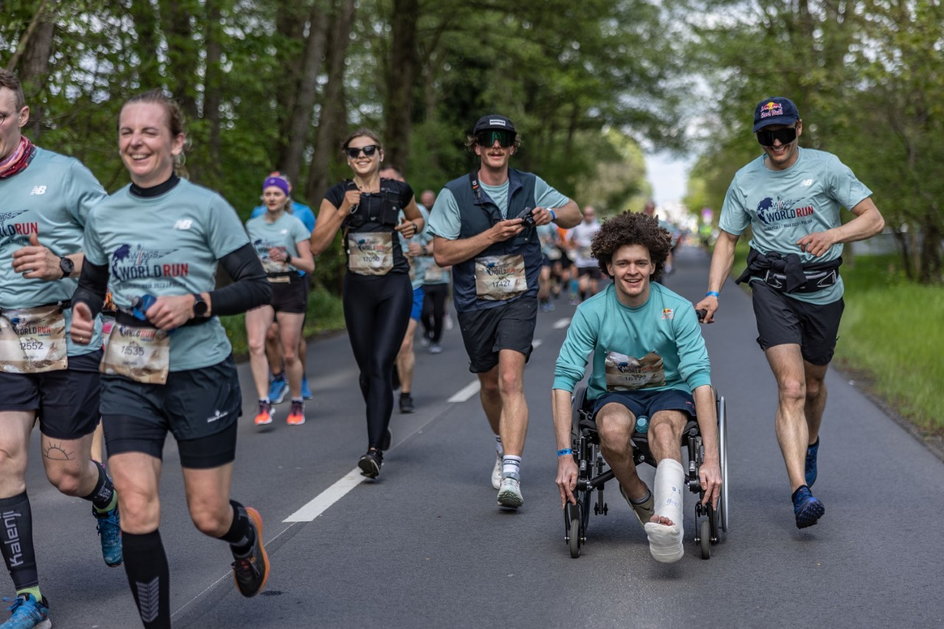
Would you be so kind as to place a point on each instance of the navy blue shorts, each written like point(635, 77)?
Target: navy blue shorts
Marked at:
point(66, 400)
point(648, 403)
point(488, 331)
point(783, 320)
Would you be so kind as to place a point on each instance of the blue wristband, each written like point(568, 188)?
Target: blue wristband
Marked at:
point(553, 214)
point(712, 293)
point(564, 451)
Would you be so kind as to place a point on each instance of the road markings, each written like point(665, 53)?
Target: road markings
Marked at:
point(320, 503)
point(562, 323)
point(466, 392)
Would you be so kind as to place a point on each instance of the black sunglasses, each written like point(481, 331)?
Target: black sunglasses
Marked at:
point(786, 135)
point(487, 138)
point(368, 150)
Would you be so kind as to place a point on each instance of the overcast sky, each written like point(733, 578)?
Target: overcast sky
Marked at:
point(668, 176)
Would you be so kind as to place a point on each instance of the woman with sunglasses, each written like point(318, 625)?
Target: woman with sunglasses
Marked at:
point(378, 295)
point(168, 365)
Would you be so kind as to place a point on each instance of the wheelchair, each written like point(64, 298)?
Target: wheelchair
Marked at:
point(593, 473)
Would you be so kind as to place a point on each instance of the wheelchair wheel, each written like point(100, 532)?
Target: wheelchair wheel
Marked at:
point(722, 516)
point(704, 535)
point(573, 529)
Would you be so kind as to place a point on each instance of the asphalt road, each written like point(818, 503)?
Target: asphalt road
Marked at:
point(426, 546)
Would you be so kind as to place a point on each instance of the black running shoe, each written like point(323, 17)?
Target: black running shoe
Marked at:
point(406, 403)
point(252, 571)
point(371, 463)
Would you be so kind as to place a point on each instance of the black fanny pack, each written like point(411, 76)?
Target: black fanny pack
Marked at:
point(788, 274)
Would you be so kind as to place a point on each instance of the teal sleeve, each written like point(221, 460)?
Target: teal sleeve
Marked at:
point(87, 191)
point(845, 187)
point(91, 246)
point(225, 232)
point(734, 219)
point(694, 366)
point(546, 196)
point(572, 361)
point(444, 218)
point(299, 231)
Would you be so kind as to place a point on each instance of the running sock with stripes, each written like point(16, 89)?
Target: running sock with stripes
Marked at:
point(511, 466)
point(103, 497)
point(149, 577)
point(16, 541)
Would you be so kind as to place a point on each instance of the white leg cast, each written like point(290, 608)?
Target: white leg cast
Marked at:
point(665, 542)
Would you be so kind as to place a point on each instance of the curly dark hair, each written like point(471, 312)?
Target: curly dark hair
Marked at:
point(631, 228)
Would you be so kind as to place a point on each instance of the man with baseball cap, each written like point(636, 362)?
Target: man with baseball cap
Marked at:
point(483, 224)
point(791, 197)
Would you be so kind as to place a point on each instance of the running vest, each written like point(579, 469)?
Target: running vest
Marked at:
point(479, 213)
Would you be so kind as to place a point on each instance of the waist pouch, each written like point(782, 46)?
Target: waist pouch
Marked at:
point(788, 274)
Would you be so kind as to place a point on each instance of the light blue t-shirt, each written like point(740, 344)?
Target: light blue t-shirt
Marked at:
point(51, 198)
point(659, 342)
point(782, 206)
point(445, 220)
point(302, 211)
point(167, 245)
point(286, 231)
point(419, 264)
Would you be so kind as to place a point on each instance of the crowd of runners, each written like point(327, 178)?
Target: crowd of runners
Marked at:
point(503, 243)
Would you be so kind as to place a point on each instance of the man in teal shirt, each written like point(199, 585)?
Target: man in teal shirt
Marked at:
point(649, 359)
point(791, 197)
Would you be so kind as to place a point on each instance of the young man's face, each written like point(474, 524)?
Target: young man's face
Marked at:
point(11, 121)
point(631, 269)
point(781, 154)
point(495, 148)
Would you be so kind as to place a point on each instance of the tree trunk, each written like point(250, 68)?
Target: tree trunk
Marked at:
point(32, 56)
point(290, 21)
point(147, 42)
point(332, 121)
point(402, 73)
point(183, 53)
point(300, 122)
point(213, 85)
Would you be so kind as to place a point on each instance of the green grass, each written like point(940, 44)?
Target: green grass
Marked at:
point(325, 314)
point(892, 333)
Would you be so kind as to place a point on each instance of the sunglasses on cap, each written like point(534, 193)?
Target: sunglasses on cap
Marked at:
point(488, 138)
point(368, 150)
point(786, 135)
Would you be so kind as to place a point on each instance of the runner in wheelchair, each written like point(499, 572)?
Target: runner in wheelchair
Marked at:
point(649, 359)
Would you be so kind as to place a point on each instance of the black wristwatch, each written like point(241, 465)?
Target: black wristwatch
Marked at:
point(200, 306)
point(67, 266)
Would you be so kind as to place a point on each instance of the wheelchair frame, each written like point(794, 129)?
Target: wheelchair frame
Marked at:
point(593, 473)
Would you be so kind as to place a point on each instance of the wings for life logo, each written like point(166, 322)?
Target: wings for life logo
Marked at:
point(770, 211)
point(132, 262)
point(11, 230)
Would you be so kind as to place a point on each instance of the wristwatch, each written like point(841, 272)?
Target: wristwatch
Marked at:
point(200, 306)
point(67, 266)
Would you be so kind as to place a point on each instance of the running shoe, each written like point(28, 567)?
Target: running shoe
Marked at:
point(265, 413)
point(278, 389)
point(296, 416)
point(28, 613)
point(807, 509)
point(811, 452)
point(497, 471)
point(406, 403)
point(306, 390)
point(252, 571)
point(435, 348)
point(370, 463)
point(109, 532)
point(509, 493)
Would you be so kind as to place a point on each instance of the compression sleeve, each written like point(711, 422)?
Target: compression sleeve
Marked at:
point(249, 289)
point(93, 284)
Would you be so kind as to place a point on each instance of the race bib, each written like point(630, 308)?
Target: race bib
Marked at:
point(585, 252)
point(33, 340)
point(500, 277)
point(433, 274)
point(625, 373)
point(141, 354)
point(370, 253)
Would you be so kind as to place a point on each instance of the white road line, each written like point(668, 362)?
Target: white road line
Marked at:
point(466, 392)
point(536, 343)
point(562, 323)
point(320, 503)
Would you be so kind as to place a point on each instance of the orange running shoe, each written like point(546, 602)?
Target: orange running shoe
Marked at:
point(252, 571)
point(265, 413)
point(296, 416)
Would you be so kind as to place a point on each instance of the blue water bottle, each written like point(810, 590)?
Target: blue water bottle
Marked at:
point(642, 424)
point(140, 306)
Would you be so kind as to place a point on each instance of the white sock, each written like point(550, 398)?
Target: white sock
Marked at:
point(498, 446)
point(511, 466)
point(665, 542)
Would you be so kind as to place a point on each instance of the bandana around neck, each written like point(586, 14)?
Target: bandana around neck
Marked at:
point(18, 159)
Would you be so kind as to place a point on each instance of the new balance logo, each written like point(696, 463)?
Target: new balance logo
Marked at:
point(38, 190)
point(807, 183)
point(183, 223)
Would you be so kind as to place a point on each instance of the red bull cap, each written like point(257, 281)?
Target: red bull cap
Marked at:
point(776, 110)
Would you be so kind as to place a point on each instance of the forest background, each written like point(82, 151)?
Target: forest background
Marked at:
point(278, 84)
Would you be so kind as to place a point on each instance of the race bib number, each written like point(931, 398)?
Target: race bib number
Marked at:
point(370, 253)
point(500, 277)
point(625, 373)
point(141, 354)
point(33, 340)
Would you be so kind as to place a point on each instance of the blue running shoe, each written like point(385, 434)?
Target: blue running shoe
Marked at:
point(306, 390)
point(807, 509)
point(811, 463)
point(109, 533)
point(28, 613)
point(278, 388)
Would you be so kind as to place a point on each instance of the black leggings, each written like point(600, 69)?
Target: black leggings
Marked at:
point(377, 311)
point(434, 310)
